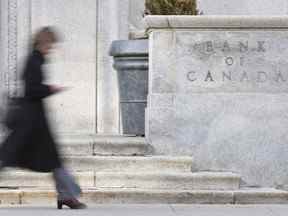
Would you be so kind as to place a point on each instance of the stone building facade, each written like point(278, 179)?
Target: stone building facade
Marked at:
point(81, 59)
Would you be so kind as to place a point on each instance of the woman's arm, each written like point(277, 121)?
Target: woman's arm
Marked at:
point(34, 88)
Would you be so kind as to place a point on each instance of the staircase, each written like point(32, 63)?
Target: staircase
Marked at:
point(118, 169)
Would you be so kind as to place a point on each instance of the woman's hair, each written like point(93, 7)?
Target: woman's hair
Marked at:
point(45, 35)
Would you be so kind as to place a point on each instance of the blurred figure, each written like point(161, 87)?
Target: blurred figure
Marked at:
point(30, 143)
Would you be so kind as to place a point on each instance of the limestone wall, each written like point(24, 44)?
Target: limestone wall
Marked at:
point(81, 60)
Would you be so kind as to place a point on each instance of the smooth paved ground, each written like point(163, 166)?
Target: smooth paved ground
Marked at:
point(151, 210)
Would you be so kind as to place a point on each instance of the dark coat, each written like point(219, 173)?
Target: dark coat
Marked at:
point(30, 143)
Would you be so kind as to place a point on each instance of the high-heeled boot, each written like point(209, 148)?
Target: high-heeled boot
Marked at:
point(71, 203)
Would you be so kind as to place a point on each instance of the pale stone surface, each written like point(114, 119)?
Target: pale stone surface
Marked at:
point(74, 62)
point(75, 147)
point(149, 209)
point(132, 196)
point(221, 95)
point(130, 163)
point(104, 145)
point(223, 7)
point(139, 196)
point(244, 7)
point(137, 8)
point(162, 180)
point(122, 146)
point(81, 60)
point(38, 197)
point(14, 178)
point(112, 25)
point(10, 197)
point(42, 196)
point(136, 25)
point(260, 196)
point(215, 22)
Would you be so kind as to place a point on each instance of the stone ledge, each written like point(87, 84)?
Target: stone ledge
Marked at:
point(23, 178)
point(216, 22)
point(261, 196)
point(156, 180)
point(132, 196)
point(10, 197)
point(130, 163)
point(44, 196)
point(105, 145)
point(166, 181)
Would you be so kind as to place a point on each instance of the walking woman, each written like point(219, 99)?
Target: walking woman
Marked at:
point(30, 143)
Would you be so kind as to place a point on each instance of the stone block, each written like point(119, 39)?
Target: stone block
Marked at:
point(104, 145)
point(130, 163)
point(31, 179)
point(140, 196)
point(218, 90)
point(10, 197)
point(121, 146)
point(166, 181)
point(77, 147)
point(38, 196)
point(261, 196)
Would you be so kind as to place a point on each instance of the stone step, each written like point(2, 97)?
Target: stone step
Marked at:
point(19, 178)
point(177, 181)
point(129, 163)
point(42, 196)
point(105, 145)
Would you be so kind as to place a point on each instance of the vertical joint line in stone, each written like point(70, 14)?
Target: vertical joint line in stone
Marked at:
point(94, 179)
point(96, 66)
point(12, 47)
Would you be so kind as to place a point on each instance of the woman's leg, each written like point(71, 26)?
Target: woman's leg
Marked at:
point(67, 189)
point(66, 186)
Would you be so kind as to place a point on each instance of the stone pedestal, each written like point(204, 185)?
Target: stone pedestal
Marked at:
point(218, 91)
point(131, 63)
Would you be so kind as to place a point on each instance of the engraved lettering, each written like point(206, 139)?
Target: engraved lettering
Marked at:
point(227, 76)
point(209, 46)
point(244, 77)
point(229, 61)
point(261, 76)
point(226, 47)
point(209, 77)
point(239, 60)
point(190, 76)
point(243, 46)
point(279, 77)
point(261, 47)
point(242, 61)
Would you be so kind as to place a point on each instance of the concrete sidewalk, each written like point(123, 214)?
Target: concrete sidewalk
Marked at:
point(151, 210)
